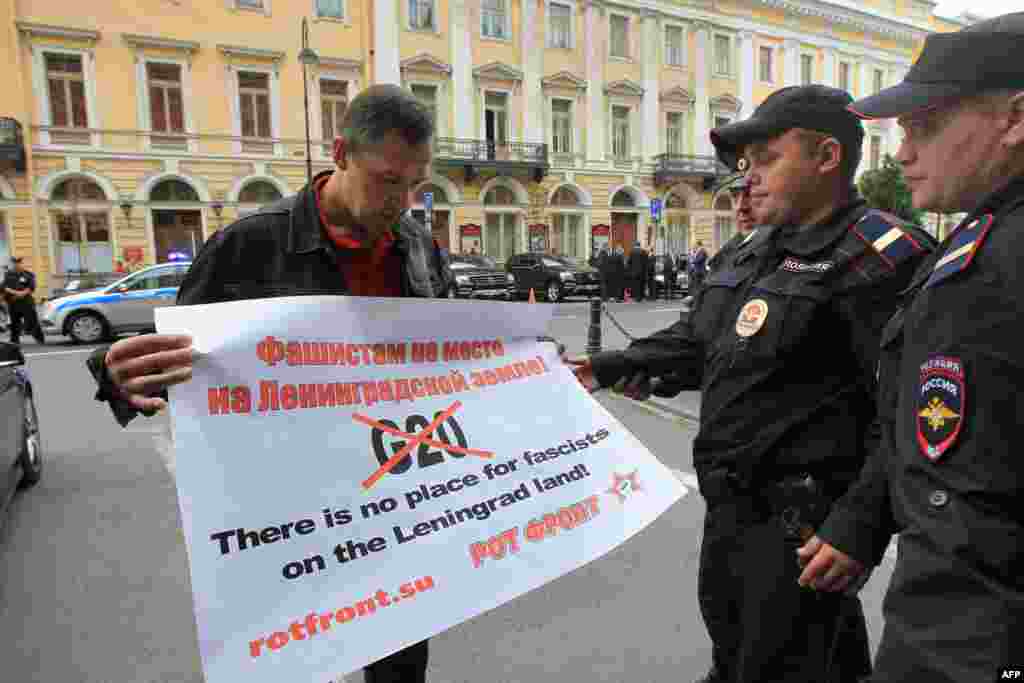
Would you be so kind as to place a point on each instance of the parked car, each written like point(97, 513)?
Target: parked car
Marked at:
point(21, 454)
point(124, 306)
point(83, 282)
point(553, 277)
point(479, 277)
point(682, 284)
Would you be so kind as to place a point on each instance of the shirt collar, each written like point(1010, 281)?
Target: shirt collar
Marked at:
point(807, 240)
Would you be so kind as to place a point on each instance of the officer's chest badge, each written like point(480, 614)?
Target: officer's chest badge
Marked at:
point(941, 400)
point(751, 317)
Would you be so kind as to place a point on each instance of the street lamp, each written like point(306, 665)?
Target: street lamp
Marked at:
point(308, 58)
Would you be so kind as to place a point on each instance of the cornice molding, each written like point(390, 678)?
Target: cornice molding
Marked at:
point(563, 79)
point(498, 71)
point(50, 31)
point(624, 88)
point(249, 52)
point(137, 41)
point(341, 64)
point(678, 94)
point(726, 103)
point(425, 62)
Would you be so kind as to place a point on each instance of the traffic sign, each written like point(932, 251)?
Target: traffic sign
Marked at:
point(656, 209)
point(428, 201)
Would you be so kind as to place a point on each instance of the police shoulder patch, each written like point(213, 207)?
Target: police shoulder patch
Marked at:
point(884, 234)
point(940, 405)
point(963, 245)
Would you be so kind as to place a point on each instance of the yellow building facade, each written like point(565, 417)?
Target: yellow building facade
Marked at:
point(128, 140)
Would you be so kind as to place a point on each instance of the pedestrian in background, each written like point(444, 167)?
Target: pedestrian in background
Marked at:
point(616, 263)
point(698, 266)
point(783, 422)
point(345, 233)
point(19, 286)
point(949, 476)
point(739, 190)
point(636, 271)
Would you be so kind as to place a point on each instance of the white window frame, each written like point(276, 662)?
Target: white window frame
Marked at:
point(583, 234)
point(342, 20)
point(633, 129)
point(441, 102)
point(814, 66)
point(875, 164)
point(265, 10)
point(629, 41)
point(316, 128)
point(145, 112)
point(683, 129)
point(572, 23)
point(682, 28)
point(42, 91)
point(507, 28)
point(877, 87)
point(573, 129)
point(275, 104)
point(510, 133)
point(407, 19)
point(714, 54)
point(849, 75)
point(761, 49)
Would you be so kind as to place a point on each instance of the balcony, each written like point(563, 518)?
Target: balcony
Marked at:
point(504, 157)
point(12, 145)
point(672, 167)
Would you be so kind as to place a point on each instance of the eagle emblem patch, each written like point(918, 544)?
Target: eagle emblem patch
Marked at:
point(940, 405)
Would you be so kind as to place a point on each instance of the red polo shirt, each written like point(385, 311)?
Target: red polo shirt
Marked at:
point(370, 270)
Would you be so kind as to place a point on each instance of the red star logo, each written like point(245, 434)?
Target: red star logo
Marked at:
point(624, 484)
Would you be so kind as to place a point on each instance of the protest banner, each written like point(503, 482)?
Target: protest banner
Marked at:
point(357, 474)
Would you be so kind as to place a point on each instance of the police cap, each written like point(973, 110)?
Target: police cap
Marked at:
point(811, 107)
point(982, 57)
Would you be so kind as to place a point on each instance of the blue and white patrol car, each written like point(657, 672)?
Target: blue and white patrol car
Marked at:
point(124, 306)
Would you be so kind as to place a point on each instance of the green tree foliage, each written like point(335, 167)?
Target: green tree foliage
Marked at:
point(885, 188)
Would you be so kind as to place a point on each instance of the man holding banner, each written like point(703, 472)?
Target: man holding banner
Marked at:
point(347, 233)
point(783, 343)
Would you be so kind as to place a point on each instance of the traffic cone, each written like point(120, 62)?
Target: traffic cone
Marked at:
point(533, 297)
point(628, 297)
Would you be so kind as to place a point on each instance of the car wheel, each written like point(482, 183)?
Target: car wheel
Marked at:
point(32, 447)
point(87, 328)
point(554, 291)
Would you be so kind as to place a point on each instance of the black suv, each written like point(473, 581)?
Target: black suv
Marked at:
point(478, 276)
point(554, 277)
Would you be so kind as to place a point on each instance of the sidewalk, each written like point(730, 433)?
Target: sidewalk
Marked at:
point(686, 405)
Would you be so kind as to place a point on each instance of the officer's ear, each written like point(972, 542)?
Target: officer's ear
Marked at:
point(829, 155)
point(341, 153)
point(1014, 136)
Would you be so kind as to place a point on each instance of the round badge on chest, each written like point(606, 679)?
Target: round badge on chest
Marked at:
point(752, 317)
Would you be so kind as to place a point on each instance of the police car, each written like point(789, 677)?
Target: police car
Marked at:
point(124, 306)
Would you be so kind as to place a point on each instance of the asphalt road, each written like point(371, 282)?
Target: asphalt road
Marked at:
point(94, 583)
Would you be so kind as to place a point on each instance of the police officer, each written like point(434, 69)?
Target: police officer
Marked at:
point(739, 190)
point(19, 284)
point(949, 476)
point(782, 341)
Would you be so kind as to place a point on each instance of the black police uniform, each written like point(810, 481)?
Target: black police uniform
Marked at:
point(950, 475)
point(22, 311)
point(783, 343)
point(724, 254)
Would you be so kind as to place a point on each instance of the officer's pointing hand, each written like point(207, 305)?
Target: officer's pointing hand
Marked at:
point(144, 366)
point(637, 387)
point(584, 372)
point(825, 568)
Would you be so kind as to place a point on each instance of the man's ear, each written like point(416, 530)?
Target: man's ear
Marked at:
point(830, 154)
point(1014, 135)
point(340, 153)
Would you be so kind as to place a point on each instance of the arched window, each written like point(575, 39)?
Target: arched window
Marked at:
point(77, 189)
point(440, 196)
point(259, 192)
point(172, 190)
point(623, 198)
point(499, 196)
point(565, 196)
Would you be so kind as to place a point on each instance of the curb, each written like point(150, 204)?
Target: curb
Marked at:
point(670, 406)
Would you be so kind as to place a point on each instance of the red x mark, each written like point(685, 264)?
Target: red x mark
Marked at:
point(414, 440)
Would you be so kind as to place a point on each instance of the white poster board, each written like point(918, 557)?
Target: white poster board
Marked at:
point(326, 524)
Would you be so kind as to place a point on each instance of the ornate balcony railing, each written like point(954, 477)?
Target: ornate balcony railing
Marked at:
point(675, 166)
point(475, 154)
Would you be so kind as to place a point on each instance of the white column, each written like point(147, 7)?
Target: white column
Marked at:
point(701, 107)
point(649, 65)
point(867, 80)
point(790, 65)
point(594, 54)
point(533, 51)
point(829, 65)
point(386, 22)
point(748, 71)
point(462, 68)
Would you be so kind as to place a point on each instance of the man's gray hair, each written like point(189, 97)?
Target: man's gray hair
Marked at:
point(381, 110)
